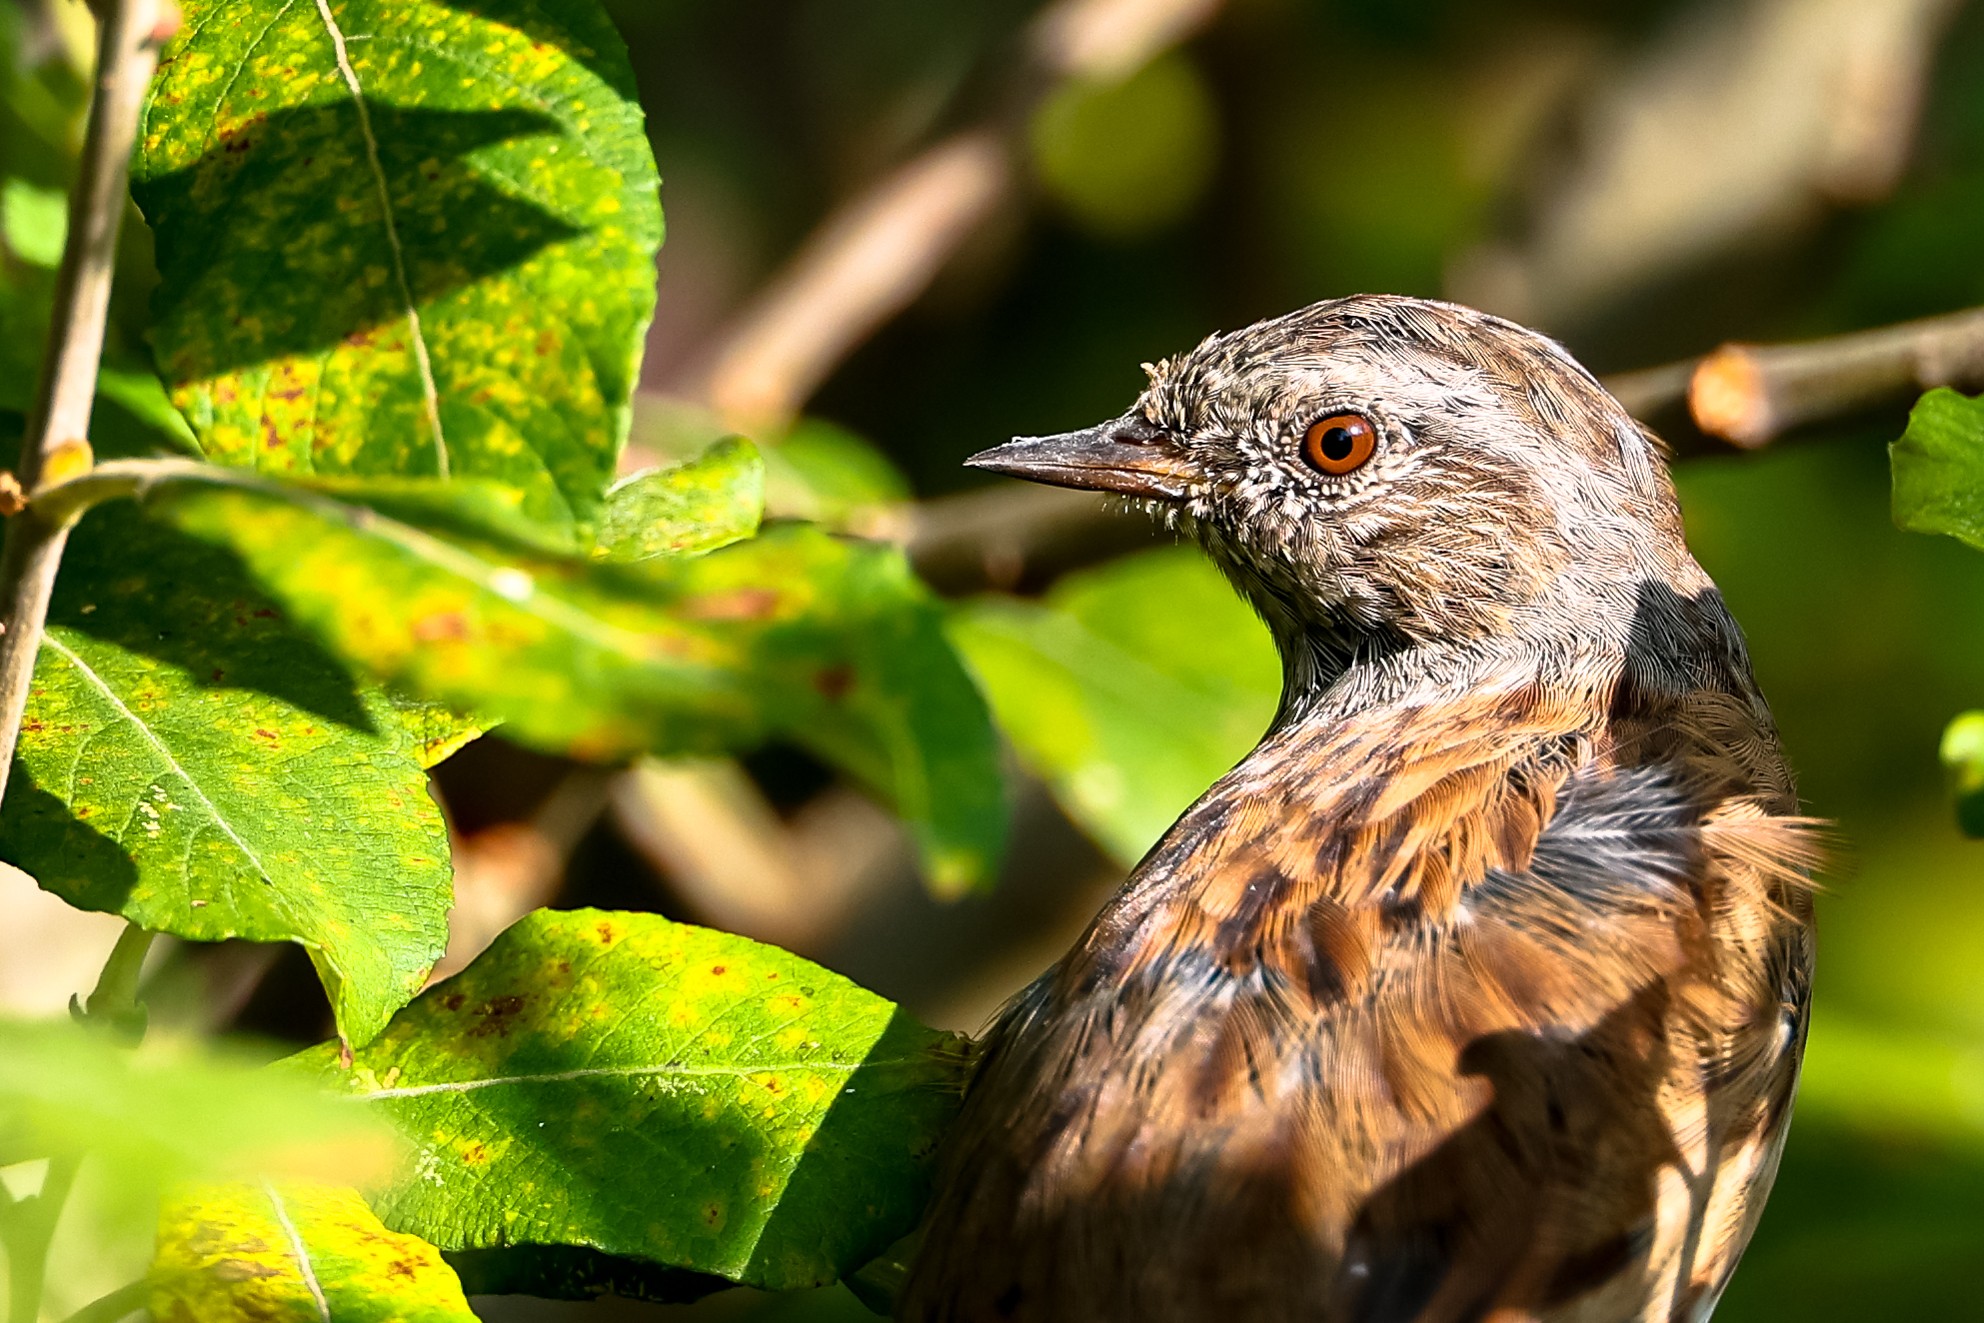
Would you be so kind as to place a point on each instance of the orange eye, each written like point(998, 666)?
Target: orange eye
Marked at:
point(1339, 444)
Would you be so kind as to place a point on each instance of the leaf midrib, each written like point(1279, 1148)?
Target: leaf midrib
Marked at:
point(430, 394)
point(299, 1251)
point(626, 1072)
point(159, 748)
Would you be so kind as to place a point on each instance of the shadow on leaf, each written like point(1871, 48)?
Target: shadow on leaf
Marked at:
point(633, 1089)
point(152, 590)
point(596, 46)
point(273, 243)
point(571, 1272)
point(73, 859)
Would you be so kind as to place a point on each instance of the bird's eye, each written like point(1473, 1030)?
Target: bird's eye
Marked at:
point(1339, 444)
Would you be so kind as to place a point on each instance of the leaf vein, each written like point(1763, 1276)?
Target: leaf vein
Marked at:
point(429, 394)
point(624, 1072)
point(213, 113)
point(302, 1253)
point(158, 747)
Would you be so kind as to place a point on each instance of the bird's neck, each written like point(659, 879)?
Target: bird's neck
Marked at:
point(1335, 675)
point(1670, 634)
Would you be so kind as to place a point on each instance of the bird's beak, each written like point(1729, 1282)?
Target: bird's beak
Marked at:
point(1125, 456)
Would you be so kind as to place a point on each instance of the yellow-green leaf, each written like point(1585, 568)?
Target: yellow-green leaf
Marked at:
point(1130, 689)
point(827, 642)
point(193, 761)
point(658, 1092)
point(709, 502)
point(403, 237)
point(267, 1253)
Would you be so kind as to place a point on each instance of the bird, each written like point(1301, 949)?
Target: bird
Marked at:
point(1478, 989)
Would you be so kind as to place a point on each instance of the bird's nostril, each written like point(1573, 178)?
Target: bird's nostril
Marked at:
point(1136, 432)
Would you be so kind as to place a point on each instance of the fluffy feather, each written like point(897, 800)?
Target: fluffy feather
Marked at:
point(1477, 990)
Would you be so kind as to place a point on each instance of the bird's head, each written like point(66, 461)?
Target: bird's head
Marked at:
point(1390, 468)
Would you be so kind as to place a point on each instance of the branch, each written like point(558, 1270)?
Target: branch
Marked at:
point(1017, 536)
point(55, 447)
point(1740, 397)
point(505, 871)
point(867, 263)
point(1749, 395)
point(872, 257)
point(707, 829)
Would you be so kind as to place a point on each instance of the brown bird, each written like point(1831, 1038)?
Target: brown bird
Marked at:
point(1475, 992)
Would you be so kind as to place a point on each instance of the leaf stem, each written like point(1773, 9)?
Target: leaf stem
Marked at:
point(116, 995)
point(27, 1226)
point(55, 446)
point(27, 1231)
point(121, 1303)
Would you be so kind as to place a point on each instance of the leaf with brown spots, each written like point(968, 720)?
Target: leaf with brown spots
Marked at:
point(657, 1093)
point(267, 1253)
point(413, 238)
point(195, 762)
point(672, 655)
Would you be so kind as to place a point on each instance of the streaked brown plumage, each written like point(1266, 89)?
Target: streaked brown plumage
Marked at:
point(1477, 990)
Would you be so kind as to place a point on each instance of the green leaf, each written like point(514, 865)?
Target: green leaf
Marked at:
point(1939, 467)
point(817, 471)
point(1963, 758)
point(264, 1253)
point(1130, 689)
point(826, 642)
point(573, 1272)
point(131, 415)
point(658, 1092)
point(175, 1109)
point(827, 474)
point(33, 222)
point(403, 238)
point(437, 731)
point(27, 294)
point(1129, 155)
point(709, 502)
point(190, 760)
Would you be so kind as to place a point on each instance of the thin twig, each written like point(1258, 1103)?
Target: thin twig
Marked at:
point(874, 256)
point(1751, 394)
point(56, 445)
point(28, 1230)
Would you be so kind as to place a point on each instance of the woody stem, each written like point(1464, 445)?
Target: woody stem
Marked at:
point(56, 446)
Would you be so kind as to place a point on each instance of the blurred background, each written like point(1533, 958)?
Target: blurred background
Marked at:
point(899, 232)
